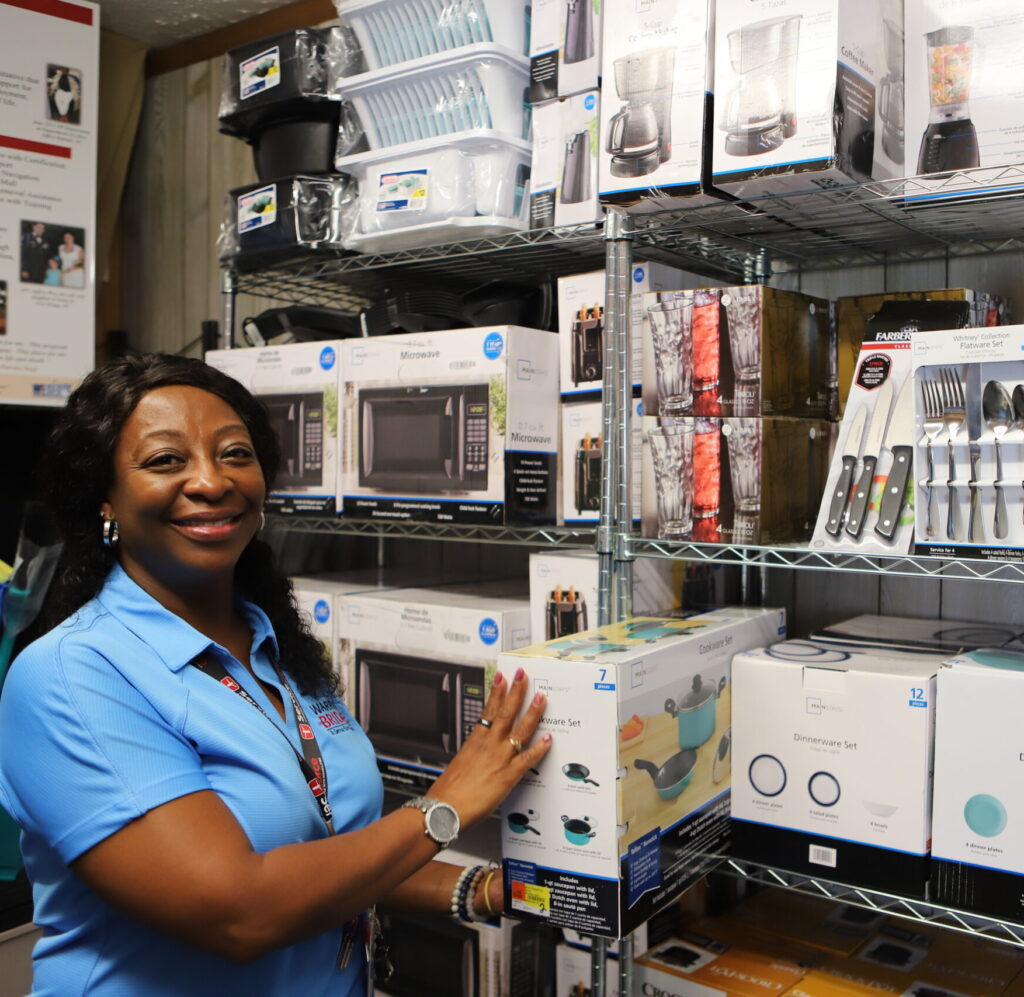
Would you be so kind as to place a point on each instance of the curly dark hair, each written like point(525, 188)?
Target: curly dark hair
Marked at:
point(77, 472)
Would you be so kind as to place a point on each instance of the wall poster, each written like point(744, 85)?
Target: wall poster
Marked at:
point(49, 91)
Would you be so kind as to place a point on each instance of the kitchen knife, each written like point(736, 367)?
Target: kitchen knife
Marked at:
point(872, 446)
point(975, 529)
point(901, 427)
point(841, 492)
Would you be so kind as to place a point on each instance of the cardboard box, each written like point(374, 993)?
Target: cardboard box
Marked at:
point(819, 984)
point(969, 508)
point(737, 481)
point(945, 636)
point(573, 973)
point(565, 47)
point(798, 84)
point(656, 113)
point(603, 835)
point(459, 426)
point(979, 860)
point(833, 750)
point(563, 174)
point(728, 351)
point(299, 384)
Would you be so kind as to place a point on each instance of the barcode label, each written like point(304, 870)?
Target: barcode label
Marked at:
point(822, 856)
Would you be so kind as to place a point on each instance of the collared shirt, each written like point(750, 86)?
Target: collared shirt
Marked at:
point(103, 719)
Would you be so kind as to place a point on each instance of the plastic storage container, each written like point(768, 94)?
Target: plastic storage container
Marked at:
point(481, 86)
point(394, 31)
point(439, 190)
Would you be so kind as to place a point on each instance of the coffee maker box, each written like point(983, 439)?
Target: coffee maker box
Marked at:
point(832, 747)
point(722, 351)
point(798, 84)
point(299, 384)
point(629, 806)
point(963, 114)
point(656, 114)
point(565, 48)
point(457, 426)
point(733, 481)
point(563, 176)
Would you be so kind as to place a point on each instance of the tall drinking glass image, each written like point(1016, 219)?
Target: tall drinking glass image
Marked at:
point(672, 454)
point(672, 334)
point(743, 315)
point(707, 473)
point(743, 438)
point(705, 342)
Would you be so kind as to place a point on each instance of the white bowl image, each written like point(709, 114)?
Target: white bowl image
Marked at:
point(880, 809)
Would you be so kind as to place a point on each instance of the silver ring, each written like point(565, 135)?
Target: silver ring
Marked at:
point(484, 722)
point(517, 745)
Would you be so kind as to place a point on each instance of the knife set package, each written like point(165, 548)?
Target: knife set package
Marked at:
point(969, 442)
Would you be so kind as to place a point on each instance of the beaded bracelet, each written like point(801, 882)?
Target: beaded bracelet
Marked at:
point(483, 876)
point(459, 908)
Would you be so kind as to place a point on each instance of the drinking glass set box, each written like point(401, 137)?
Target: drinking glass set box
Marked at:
point(565, 48)
point(629, 805)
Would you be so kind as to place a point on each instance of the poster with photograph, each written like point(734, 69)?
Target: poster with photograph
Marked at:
point(49, 75)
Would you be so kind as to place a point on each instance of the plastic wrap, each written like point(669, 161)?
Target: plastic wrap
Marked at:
point(286, 77)
point(394, 31)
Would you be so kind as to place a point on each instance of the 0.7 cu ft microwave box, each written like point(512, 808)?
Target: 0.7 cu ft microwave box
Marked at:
point(629, 805)
point(458, 426)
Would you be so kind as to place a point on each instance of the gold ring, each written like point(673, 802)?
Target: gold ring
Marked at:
point(517, 745)
point(484, 722)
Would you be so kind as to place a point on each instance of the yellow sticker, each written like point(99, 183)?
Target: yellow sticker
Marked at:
point(534, 896)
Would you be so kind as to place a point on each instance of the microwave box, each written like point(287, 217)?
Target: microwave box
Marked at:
point(942, 636)
point(459, 426)
point(969, 449)
point(298, 383)
point(817, 983)
point(630, 804)
point(656, 112)
point(833, 752)
point(565, 48)
point(563, 175)
point(581, 300)
point(748, 350)
point(962, 116)
point(736, 481)
point(422, 661)
point(798, 87)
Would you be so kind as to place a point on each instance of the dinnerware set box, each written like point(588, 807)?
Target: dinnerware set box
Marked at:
point(630, 804)
point(565, 47)
point(459, 426)
point(298, 383)
point(941, 636)
point(832, 750)
point(969, 436)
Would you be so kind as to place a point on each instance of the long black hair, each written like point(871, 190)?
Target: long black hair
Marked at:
point(77, 472)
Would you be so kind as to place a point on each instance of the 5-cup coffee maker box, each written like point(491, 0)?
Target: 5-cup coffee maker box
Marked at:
point(742, 351)
point(298, 383)
point(832, 748)
point(458, 426)
point(736, 481)
point(565, 47)
point(631, 802)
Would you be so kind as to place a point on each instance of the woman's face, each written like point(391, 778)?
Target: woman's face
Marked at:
point(69, 239)
point(188, 490)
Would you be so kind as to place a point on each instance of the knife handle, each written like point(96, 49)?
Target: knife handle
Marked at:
point(975, 529)
point(861, 496)
point(891, 507)
point(840, 496)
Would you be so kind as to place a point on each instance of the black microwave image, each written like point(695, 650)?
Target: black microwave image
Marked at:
point(298, 420)
point(420, 440)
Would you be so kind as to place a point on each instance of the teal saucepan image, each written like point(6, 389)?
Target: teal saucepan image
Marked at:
point(694, 713)
point(985, 815)
point(519, 823)
point(578, 830)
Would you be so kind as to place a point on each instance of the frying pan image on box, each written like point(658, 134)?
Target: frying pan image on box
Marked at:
point(673, 776)
point(722, 765)
point(578, 773)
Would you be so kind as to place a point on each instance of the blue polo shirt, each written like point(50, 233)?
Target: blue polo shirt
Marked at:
point(103, 719)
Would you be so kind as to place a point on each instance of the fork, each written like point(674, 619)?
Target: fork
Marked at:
point(954, 413)
point(933, 425)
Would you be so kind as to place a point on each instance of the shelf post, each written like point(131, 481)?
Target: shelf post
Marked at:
point(598, 957)
point(229, 288)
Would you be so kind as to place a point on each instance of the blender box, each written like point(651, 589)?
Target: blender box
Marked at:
point(726, 351)
point(564, 586)
point(581, 324)
point(421, 662)
point(656, 111)
point(969, 453)
point(800, 86)
point(563, 175)
point(832, 747)
point(735, 481)
point(961, 112)
point(298, 383)
point(565, 48)
point(459, 426)
point(978, 861)
point(630, 805)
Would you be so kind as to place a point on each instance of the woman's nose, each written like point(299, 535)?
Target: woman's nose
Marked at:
point(208, 478)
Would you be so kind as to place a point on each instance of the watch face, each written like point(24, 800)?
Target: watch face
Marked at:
point(443, 822)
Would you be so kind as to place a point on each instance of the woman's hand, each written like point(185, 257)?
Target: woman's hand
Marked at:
point(497, 754)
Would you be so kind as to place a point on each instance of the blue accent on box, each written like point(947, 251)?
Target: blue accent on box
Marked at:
point(321, 611)
point(493, 345)
point(643, 866)
point(488, 630)
point(604, 686)
point(328, 357)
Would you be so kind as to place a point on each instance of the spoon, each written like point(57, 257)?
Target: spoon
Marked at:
point(997, 407)
point(1018, 409)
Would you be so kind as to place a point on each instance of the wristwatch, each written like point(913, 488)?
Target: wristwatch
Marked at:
point(440, 820)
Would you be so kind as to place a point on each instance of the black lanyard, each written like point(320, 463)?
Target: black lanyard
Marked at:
point(311, 762)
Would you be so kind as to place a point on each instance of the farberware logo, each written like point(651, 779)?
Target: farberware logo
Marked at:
point(894, 335)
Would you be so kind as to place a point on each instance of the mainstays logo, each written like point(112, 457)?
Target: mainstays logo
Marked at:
point(895, 335)
point(420, 354)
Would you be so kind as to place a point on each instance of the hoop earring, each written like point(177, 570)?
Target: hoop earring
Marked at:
point(111, 534)
point(263, 522)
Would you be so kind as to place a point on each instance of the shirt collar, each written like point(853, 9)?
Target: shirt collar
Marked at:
point(173, 640)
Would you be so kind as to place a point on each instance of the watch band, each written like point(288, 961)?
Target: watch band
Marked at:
point(431, 807)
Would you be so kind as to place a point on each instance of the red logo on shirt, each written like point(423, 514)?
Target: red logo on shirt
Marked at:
point(230, 683)
point(317, 787)
point(305, 732)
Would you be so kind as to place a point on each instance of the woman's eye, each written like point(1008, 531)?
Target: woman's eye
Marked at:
point(238, 453)
point(163, 460)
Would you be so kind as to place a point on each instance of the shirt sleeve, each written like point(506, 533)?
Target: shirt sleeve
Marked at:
point(82, 751)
